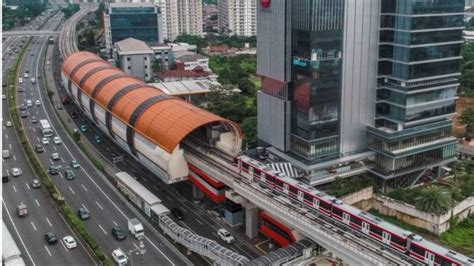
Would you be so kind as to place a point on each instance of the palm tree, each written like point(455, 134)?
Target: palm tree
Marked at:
point(434, 199)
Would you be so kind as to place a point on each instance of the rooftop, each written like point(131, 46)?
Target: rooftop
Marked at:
point(186, 56)
point(132, 45)
point(185, 87)
point(198, 72)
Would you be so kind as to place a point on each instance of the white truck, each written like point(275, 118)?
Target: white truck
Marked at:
point(136, 228)
point(46, 128)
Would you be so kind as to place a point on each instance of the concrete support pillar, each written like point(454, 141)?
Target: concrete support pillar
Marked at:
point(251, 220)
point(197, 193)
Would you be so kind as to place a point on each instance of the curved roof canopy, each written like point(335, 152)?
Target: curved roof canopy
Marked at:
point(163, 119)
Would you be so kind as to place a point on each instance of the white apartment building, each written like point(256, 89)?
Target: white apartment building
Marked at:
point(135, 57)
point(237, 17)
point(180, 16)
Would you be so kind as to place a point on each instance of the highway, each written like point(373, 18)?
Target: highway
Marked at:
point(88, 189)
point(43, 217)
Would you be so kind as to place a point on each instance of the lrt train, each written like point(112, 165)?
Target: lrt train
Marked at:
point(404, 241)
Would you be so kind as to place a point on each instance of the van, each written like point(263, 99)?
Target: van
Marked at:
point(6, 154)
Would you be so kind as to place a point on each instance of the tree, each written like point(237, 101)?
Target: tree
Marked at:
point(249, 127)
point(467, 119)
point(192, 39)
point(467, 69)
point(227, 102)
point(156, 65)
point(434, 199)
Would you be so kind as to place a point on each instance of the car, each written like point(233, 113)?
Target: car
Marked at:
point(29, 103)
point(35, 183)
point(6, 154)
point(54, 169)
point(59, 106)
point(69, 174)
point(69, 242)
point(75, 164)
point(225, 236)
point(8, 123)
point(20, 89)
point(45, 141)
point(34, 120)
point(57, 140)
point(16, 172)
point(26, 75)
point(37, 103)
point(22, 107)
point(119, 233)
point(84, 128)
point(39, 148)
point(98, 139)
point(83, 214)
point(119, 257)
point(4, 96)
point(20, 80)
point(23, 114)
point(177, 213)
point(55, 156)
point(50, 238)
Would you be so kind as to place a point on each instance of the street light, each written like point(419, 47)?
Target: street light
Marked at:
point(140, 251)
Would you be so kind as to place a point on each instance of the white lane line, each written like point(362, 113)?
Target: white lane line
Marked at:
point(64, 245)
point(14, 188)
point(184, 210)
point(114, 223)
point(54, 148)
point(47, 250)
point(51, 161)
point(37, 112)
point(8, 173)
point(61, 175)
point(169, 198)
point(100, 226)
point(14, 158)
point(34, 227)
point(6, 136)
point(84, 187)
point(28, 186)
point(10, 146)
point(33, 129)
point(38, 139)
point(62, 159)
point(99, 205)
point(18, 234)
point(84, 206)
point(72, 191)
point(199, 222)
point(136, 246)
point(47, 220)
point(37, 203)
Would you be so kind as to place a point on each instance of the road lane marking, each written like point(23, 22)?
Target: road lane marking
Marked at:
point(138, 248)
point(47, 250)
point(10, 146)
point(6, 136)
point(61, 175)
point(14, 158)
point(169, 198)
point(114, 223)
point(84, 206)
point(37, 203)
point(14, 188)
point(17, 233)
point(62, 243)
point(51, 161)
point(72, 191)
point(33, 129)
point(54, 148)
point(199, 222)
point(38, 139)
point(34, 227)
point(62, 159)
point(100, 226)
point(84, 187)
point(47, 220)
point(99, 205)
point(37, 113)
point(28, 186)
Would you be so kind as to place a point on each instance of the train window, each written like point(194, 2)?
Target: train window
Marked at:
point(278, 183)
point(300, 195)
point(417, 250)
point(316, 203)
point(270, 178)
point(293, 190)
point(376, 230)
point(337, 211)
point(275, 228)
point(325, 205)
point(399, 241)
point(356, 220)
point(308, 197)
point(442, 261)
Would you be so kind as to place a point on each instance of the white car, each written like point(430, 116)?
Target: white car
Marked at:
point(45, 141)
point(8, 123)
point(69, 242)
point(4, 96)
point(20, 80)
point(29, 103)
point(35, 183)
point(55, 156)
point(225, 235)
point(26, 75)
point(57, 140)
point(37, 103)
point(119, 257)
point(16, 172)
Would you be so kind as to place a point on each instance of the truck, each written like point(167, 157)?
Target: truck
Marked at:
point(136, 228)
point(46, 128)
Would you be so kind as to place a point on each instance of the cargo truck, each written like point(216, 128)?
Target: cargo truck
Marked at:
point(136, 228)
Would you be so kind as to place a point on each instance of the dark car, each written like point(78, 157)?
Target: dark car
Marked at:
point(4, 178)
point(50, 238)
point(98, 139)
point(177, 213)
point(69, 174)
point(34, 119)
point(22, 107)
point(83, 214)
point(54, 169)
point(39, 148)
point(24, 114)
point(119, 233)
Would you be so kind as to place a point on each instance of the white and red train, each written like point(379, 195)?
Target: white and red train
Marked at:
point(404, 241)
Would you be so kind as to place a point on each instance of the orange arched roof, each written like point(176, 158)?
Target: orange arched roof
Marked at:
point(165, 121)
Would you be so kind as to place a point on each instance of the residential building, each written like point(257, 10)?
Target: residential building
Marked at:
point(181, 16)
point(192, 60)
point(237, 17)
point(135, 58)
point(163, 52)
point(328, 98)
point(140, 21)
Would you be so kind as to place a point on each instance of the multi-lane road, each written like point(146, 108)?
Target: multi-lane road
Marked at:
point(43, 217)
point(88, 190)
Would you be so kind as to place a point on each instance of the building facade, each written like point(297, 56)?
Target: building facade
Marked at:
point(237, 17)
point(181, 16)
point(328, 94)
point(135, 58)
point(140, 21)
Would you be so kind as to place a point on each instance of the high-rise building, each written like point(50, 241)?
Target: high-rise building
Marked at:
point(140, 21)
point(329, 97)
point(237, 17)
point(181, 16)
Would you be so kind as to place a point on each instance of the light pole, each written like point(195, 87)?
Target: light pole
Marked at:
point(140, 251)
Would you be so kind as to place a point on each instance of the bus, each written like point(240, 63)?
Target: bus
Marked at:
point(46, 128)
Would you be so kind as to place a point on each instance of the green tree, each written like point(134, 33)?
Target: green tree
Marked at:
point(434, 199)
point(156, 65)
point(249, 127)
point(227, 102)
point(467, 119)
point(467, 70)
point(192, 39)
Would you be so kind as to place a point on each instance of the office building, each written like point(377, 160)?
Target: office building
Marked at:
point(328, 98)
point(237, 17)
point(181, 16)
point(135, 58)
point(140, 21)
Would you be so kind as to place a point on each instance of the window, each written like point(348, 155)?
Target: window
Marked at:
point(128, 58)
point(146, 66)
point(146, 58)
point(129, 67)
